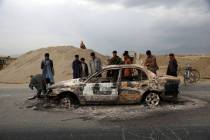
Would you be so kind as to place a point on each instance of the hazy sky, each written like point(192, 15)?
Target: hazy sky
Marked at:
point(104, 25)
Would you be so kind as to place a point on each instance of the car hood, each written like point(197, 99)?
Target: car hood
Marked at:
point(168, 77)
point(67, 83)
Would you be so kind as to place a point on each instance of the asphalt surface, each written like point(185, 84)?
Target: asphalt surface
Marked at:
point(18, 121)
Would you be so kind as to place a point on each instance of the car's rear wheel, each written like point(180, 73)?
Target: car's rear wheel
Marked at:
point(152, 99)
point(65, 101)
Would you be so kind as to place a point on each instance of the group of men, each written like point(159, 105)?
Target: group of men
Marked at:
point(81, 69)
point(151, 64)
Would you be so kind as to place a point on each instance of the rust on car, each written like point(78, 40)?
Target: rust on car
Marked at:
point(103, 87)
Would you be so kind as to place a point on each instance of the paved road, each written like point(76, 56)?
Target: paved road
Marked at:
point(21, 123)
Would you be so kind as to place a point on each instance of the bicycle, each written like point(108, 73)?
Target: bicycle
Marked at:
point(190, 75)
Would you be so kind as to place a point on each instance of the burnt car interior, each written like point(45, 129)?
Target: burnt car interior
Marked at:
point(136, 75)
point(107, 76)
point(111, 76)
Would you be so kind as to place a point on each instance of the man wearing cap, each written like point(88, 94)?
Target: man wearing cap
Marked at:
point(115, 60)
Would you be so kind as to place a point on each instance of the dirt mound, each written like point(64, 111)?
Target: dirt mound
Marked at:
point(20, 70)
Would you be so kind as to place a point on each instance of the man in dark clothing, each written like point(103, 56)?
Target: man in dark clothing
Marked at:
point(76, 66)
point(47, 69)
point(172, 66)
point(84, 68)
point(38, 83)
point(115, 60)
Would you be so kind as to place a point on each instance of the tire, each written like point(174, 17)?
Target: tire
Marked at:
point(65, 101)
point(189, 80)
point(193, 77)
point(152, 99)
point(196, 75)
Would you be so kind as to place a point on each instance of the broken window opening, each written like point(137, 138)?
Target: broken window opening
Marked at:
point(132, 74)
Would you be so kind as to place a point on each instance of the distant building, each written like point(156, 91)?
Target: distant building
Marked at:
point(4, 61)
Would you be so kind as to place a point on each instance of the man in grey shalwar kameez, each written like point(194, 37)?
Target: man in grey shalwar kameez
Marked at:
point(47, 70)
point(95, 64)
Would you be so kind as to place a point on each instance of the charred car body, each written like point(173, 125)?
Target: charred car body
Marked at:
point(110, 86)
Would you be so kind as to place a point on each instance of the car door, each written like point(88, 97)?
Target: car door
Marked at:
point(132, 87)
point(102, 87)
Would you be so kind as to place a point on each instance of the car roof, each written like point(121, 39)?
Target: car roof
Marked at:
point(149, 73)
point(124, 66)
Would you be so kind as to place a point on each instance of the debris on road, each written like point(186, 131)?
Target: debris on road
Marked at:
point(113, 112)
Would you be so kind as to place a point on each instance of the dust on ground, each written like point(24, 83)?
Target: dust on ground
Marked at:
point(113, 112)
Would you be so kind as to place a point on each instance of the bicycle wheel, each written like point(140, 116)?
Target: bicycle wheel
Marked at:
point(196, 75)
point(190, 79)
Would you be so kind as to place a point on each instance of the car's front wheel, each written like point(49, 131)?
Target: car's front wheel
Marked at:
point(152, 99)
point(65, 101)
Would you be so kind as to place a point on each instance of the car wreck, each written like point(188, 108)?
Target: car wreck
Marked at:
point(109, 86)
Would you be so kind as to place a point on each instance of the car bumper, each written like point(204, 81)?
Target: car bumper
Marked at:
point(171, 89)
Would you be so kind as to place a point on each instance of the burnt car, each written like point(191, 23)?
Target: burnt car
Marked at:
point(111, 86)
